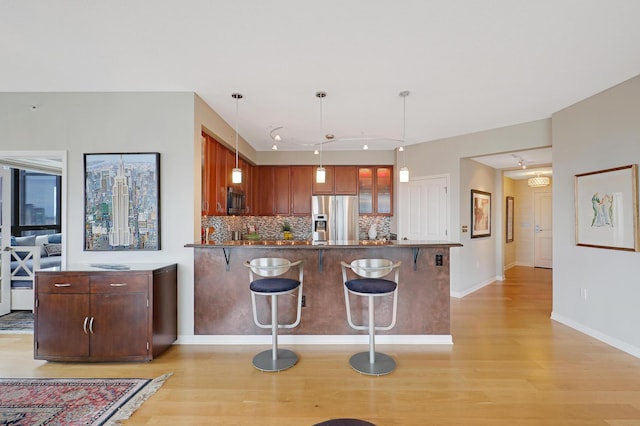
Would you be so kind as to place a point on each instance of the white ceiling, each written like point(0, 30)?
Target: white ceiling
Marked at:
point(469, 65)
point(534, 162)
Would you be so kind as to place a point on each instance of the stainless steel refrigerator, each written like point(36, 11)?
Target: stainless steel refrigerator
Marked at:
point(334, 218)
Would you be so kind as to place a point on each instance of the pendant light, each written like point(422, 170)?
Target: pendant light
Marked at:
point(404, 170)
point(320, 171)
point(236, 173)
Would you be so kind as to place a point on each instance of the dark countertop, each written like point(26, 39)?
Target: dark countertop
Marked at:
point(304, 244)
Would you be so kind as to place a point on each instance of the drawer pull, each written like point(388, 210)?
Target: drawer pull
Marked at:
point(118, 284)
point(84, 326)
point(62, 285)
point(91, 325)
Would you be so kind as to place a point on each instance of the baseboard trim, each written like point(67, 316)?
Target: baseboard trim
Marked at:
point(461, 294)
point(292, 339)
point(618, 344)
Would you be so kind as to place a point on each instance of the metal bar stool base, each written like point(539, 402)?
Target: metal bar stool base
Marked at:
point(264, 360)
point(384, 364)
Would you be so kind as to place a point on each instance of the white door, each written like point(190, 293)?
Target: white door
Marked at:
point(424, 209)
point(5, 233)
point(543, 242)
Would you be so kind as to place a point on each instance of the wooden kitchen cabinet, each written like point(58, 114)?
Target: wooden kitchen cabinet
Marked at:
point(301, 178)
point(375, 190)
point(346, 180)
point(326, 188)
point(339, 180)
point(92, 314)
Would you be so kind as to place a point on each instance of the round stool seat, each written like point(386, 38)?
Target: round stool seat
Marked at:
point(371, 285)
point(273, 285)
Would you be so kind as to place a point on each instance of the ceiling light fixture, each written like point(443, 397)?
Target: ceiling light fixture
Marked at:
point(365, 146)
point(274, 147)
point(404, 170)
point(538, 181)
point(236, 173)
point(522, 164)
point(320, 172)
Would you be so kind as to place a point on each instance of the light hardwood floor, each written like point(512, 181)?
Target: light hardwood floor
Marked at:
point(509, 365)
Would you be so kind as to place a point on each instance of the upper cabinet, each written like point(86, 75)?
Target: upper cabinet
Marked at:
point(339, 180)
point(217, 165)
point(301, 184)
point(375, 190)
point(346, 180)
point(287, 190)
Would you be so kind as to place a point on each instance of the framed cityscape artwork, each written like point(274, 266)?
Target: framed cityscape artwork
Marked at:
point(122, 201)
point(607, 208)
point(480, 214)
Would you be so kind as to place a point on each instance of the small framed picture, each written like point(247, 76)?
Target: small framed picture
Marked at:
point(607, 208)
point(509, 216)
point(480, 214)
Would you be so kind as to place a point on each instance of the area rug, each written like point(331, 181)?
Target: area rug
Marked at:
point(17, 322)
point(67, 402)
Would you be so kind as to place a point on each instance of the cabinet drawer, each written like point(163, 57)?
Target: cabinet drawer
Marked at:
point(111, 283)
point(62, 283)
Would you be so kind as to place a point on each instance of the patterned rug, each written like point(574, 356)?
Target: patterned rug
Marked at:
point(17, 322)
point(67, 402)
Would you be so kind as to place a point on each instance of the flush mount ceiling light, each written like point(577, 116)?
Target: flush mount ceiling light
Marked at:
point(236, 173)
point(538, 181)
point(320, 172)
point(404, 170)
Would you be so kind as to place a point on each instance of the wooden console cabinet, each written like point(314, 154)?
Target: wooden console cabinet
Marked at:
point(95, 314)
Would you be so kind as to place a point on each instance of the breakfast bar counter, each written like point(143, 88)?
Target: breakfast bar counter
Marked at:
point(222, 304)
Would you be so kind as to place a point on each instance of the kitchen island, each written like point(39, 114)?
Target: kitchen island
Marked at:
point(222, 305)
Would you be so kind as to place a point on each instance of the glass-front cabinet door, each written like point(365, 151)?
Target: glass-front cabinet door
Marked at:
point(365, 190)
point(375, 190)
point(384, 188)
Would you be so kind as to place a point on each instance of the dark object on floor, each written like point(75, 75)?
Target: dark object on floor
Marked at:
point(345, 422)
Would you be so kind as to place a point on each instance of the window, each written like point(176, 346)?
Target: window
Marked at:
point(37, 203)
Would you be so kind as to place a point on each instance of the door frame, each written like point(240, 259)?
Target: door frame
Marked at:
point(9, 157)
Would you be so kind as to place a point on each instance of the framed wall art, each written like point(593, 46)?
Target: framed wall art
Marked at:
point(122, 201)
point(606, 204)
point(480, 214)
point(509, 217)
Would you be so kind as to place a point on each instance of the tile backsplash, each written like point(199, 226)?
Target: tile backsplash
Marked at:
point(270, 227)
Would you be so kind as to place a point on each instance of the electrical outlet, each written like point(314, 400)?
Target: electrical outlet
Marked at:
point(583, 293)
point(438, 260)
point(304, 301)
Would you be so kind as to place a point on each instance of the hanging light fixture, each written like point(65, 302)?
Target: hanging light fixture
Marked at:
point(236, 173)
point(404, 170)
point(320, 172)
point(538, 181)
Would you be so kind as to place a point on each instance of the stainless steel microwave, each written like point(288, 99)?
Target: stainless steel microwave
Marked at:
point(236, 202)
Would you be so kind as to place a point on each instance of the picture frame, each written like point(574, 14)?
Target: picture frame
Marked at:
point(122, 201)
point(480, 214)
point(606, 208)
point(509, 219)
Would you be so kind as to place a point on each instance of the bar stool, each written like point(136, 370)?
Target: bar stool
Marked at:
point(265, 280)
point(371, 284)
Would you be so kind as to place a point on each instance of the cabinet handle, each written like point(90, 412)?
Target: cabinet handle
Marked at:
point(84, 326)
point(118, 284)
point(91, 325)
point(62, 285)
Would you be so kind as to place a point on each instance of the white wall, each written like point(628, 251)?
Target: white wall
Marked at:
point(81, 123)
point(443, 157)
point(598, 133)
